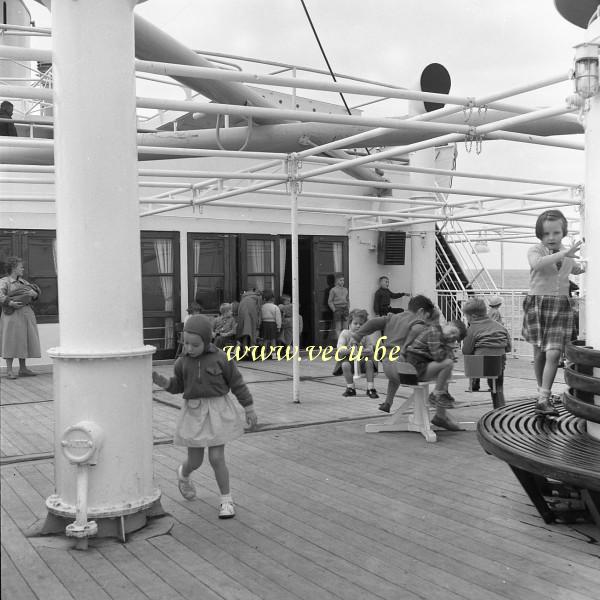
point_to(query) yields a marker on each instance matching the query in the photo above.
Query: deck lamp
(586, 70)
(481, 246)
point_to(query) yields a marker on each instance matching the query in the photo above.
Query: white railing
(451, 302)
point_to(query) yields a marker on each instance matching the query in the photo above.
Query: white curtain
(337, 248)
(54, 255)
(259, 256)
(282, 257)
(164, 261)
(208, 256)
(197, 250)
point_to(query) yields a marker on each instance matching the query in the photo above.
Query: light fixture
(586, 70)
(481, 247)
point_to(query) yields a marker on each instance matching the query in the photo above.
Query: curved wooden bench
(579, 399)
(579, 376)
(584, 356)
(581, 408)
(538, 449)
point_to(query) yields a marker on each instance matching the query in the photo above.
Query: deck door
(160, 290)
(259, 263)
(211, 270)
(330, 256)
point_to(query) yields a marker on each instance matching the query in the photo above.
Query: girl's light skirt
(205, 422)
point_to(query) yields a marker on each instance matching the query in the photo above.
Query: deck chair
(482, 366)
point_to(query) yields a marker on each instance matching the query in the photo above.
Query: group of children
(262, 319)
(210, 417)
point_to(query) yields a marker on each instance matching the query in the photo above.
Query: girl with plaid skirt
(548, 316)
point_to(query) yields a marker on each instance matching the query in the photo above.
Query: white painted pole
(592, 239)
(502, 264)
(422, 244)
(101, 368)
(293, 183)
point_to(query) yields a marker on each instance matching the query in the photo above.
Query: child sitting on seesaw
(348, 347)
(397, 331)
(432, 356)
(486, 336)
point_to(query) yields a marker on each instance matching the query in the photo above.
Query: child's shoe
(545, 407)
(372, 393)
(385, 407)
(227, 509)
(186, 487)
(349, 392)
(444, 400)
(447, 395)
(445, 423)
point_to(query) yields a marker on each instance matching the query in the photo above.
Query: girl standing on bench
(548, 316)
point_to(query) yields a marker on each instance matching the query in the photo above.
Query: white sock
(370, 386)
(226, 498)
(350, 386)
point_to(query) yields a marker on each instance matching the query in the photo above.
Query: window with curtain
(208, 254)
(37, 248)
(260, 264)
(160, 289)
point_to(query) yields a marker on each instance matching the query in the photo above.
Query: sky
(486, 46)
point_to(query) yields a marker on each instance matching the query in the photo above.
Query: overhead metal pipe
(440, 218)
(323, 160)
(151, 43)
(443, 140)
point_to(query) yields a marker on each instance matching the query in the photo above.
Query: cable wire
(325, 57)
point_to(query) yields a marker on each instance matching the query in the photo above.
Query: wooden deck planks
(395, 482)
(369, 526)
(422, 507)
(12, 584)
(338, 504)
(107, 576)
(254, 581)
(167, 567)
(30, 566)
(324, 512)
(209, 574)
(150, 584)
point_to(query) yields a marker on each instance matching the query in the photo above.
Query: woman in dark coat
(248, 318)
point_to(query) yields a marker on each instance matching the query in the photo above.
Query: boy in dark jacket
(432, 356)
(383, 298)
(399, 331)
(485, 336)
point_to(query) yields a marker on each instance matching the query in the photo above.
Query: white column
(592, 239)
(102, 371)
(293, 183)
(422, 247)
